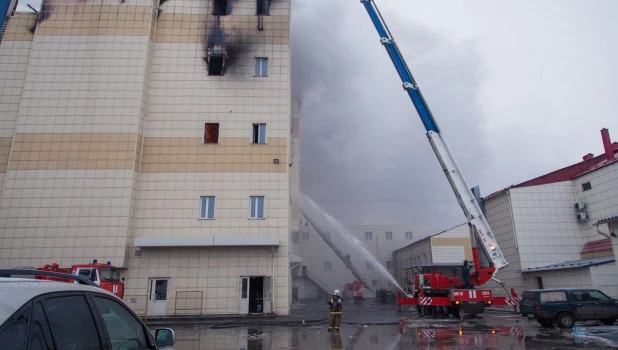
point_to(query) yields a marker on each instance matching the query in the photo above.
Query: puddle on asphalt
(409, 334)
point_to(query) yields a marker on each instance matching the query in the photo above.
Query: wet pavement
(380, 326)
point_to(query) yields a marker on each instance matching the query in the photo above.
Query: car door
(583, 306)
(604, 306)
(122, 327)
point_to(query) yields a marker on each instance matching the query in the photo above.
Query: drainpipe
(272, 284)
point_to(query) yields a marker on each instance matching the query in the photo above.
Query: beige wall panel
(64, 216)
(13, 64)
(74, 151)
(189, 155)
(5, 149)
(19, 27)
(71, 20)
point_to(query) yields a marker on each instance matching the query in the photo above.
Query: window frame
(388, 235)
(265, 10)
(258, 133)
(328, 266)
(258, 205)
(209, 205)
(586, 186)
(368, 236)
(206, 138)
(261, 67)
(409, 235)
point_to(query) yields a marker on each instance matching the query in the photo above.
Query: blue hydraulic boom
(464, 195)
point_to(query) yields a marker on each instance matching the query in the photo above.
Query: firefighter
(465, 273)
(335, 311)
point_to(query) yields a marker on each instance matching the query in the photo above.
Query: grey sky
(519, 88)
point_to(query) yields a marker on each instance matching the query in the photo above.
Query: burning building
(140, 132)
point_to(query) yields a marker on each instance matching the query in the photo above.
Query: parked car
(565, 306)
(37, 314)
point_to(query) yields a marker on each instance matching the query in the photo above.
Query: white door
(90, 273)
(244, 295)
(267, 292)
(157, 298)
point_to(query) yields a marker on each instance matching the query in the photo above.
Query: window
(295, 236)
(263, 7)
(327, 265)
(220, 8)
(389, 264)
(211, 133)
(368, 236)
(369, 265)
(257, 207)
(261, 67)
(586, 186)
(15, 329)
(550, 297)
(305, 236)
(207, 207)
(389, 235)
(259, 133)
(71, 322)
(122, 327)
(408, 235)
(216, 64)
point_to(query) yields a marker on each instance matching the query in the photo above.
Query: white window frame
(261, 133)
(368, 236)
(388, 235)
(255, 204)
(207, 207)
(261, 67)
(409, 235)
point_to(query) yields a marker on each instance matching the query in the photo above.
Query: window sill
(205, 218)
(261, 76)
(210, 143)
(259, 143)
(256, 219)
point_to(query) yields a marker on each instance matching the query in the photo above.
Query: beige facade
(104, 153)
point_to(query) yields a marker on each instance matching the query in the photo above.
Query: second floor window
(368, 236)
(211, 133)
(389, 235)
(256, 207)
(261, 66)
(207, 207)
(259, 133)
(408, 235)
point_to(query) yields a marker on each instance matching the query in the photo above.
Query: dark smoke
(364, 154)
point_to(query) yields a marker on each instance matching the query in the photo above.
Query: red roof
(600, 245)
(570, 172)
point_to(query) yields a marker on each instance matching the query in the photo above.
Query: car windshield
(110, 274)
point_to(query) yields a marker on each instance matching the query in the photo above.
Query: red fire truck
(106, 276)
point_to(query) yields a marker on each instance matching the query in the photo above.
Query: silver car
(36, 314)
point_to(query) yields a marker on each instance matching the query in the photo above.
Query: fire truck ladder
(326, 237)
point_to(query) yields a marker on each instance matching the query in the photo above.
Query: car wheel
(546, 322)
(608, 321)
(565, 320)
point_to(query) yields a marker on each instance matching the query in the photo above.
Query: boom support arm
(462, 191)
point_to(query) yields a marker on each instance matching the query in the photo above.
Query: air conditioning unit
(579, 206)
(583, 216)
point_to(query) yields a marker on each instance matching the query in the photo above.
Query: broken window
(261, 66)
(220, 8)
(211, 133)
(263, 7)
(259, 133)
(216, 64)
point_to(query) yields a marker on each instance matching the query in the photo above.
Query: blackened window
(263, 7)
(71, 323)
(220, 8)
(216, 64)
(586, 186)
(211, 133)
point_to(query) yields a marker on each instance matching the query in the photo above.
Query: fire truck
(106, 276)
(433, 291)
(449, 338)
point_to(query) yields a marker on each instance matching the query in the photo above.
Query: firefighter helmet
(337, 292)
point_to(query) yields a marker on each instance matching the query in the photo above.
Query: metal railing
(189, 302)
